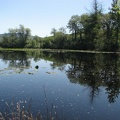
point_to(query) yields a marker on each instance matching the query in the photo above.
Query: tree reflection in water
(95, 71)
(87, 69)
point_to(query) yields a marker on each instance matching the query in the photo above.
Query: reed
(16, 111)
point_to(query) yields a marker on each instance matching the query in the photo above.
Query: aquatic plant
(18, 111)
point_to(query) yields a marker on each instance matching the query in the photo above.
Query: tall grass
(16, 111)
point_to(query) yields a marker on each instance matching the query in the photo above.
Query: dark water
(75, 86)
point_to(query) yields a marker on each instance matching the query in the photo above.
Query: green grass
(53, 50)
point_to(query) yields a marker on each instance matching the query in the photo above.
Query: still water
(71, 86)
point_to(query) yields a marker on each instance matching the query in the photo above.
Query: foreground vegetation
(91, 31)
(19, 112)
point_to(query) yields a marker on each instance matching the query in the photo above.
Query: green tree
(62, 30)
(53, 31)
(93, 26)
(39, 41)
(106, 31)
(74, 25)
(84, 18)
(60, 38)
(115, 18)
(47, 42)
(16, 38)
(35, 42)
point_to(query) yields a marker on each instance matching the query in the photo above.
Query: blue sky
(42, 15)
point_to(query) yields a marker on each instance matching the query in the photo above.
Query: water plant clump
(19, 112)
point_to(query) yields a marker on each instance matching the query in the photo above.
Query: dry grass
(18, 112)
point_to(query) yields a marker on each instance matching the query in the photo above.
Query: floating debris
(50, 72)
(31, 73)
(36, 66)
(20, 70)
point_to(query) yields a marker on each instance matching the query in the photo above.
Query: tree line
(90, 31)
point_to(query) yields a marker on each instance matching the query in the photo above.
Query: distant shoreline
(54, 50)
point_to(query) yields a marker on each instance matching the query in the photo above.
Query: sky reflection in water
(79, 86)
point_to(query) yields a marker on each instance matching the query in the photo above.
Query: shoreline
(56, 50)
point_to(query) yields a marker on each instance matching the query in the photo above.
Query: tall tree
(74, 25)
(60, 38)
(93, 25)
(16, 38)
(53, 31)
(115, 18)
(62, 30)
(85, 30)
(23, 35)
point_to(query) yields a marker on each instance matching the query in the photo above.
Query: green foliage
(90, 31)
(36, 42)
(53, 32)
(57, 41)
(47, 42)
(16, 38)
(75, 25)
(59, 38)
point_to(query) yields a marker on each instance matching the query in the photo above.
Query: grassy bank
(53, 50)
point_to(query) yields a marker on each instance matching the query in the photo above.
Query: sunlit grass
(53, 50)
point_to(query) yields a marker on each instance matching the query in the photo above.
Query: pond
(67, 86)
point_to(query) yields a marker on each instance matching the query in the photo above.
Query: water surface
(77, 86)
